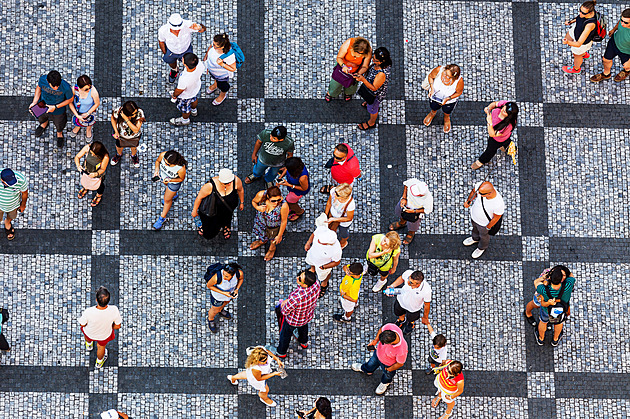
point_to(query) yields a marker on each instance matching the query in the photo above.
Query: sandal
(270, 254)
(255, 245)
(435, 402)
(322, 291)
(200, 231)
(326, 189)
(364, 126)
(397, 225)
(621, 76)
(428, 119)
(295, 216)
(217, 103)
(251, 178)
(227, 233)
(96, 200)
(10, 232)
(347, 98)
(327, 98)
(409, 237)
(82, 193)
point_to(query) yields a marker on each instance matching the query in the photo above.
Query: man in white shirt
(175, 41)
(414, 297)
(323, 253)
(188, 87)
(98, 324)
(486, 209)
(415, 203)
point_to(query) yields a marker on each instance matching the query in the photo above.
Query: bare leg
(134, 150)
(557, 329)
(264, 395)
(577, 61)
(542, 328)
(607, 65)
(88, 131)
(100, 351)
(168, 202)
(529, 307)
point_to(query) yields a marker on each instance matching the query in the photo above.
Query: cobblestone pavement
(566, 203)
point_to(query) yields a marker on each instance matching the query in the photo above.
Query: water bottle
(390, 292)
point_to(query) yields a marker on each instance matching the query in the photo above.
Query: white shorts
(322, 273)
(347, 305)
(440, 392)
(579, 50)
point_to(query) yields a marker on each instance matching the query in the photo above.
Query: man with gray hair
(415, 203)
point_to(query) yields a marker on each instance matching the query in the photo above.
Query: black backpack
(558, 311)
(213, 269)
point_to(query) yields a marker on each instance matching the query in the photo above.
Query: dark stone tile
(250, 407)
(44, 379)
(392, 151)
(574, 115)
(174, 380)
(15, 108)
(108, 15)
(314, 111)
(533, 186)
(449, 246)
(465, 113)
(63, 242)
(589, 249)
(101, 403)
(389, 34)
(251, 306)
(246, 139)
(478, 383)
(105, 271)
(251, 39)
(541, 407)
(151, 242)
(398, 406)
(527, 65)
(592, 385)
(106, 215)
(162, 109)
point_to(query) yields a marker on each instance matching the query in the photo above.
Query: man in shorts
(13, 197)
(175, 41)
(98, 324)
(414, 298)
(56, 95)
(323, 253)
(188, 87)
(618, 45)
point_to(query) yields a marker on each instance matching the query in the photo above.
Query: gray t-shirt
(273, 154)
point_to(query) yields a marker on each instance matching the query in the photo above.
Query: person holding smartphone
(415, 203)
(223, 286)
(321, 410)
(170, 167)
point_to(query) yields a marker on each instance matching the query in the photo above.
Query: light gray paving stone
(105, 242)
(153, 405)
(535, 248)
(540, 385)
(473, 407)
(104, 380)
(589, 408)
(44, 405)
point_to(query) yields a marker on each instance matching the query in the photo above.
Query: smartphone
(371, 347)
(155, 178)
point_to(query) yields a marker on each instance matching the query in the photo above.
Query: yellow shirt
(351, 286)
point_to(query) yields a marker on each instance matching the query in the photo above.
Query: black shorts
(223, 85)
(409, 316)
(612, 51)
(59, 121)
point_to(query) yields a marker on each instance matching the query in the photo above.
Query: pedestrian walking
(93, 170)
(321, 410)
(54, 94)
(353, 58)
(554, 297)
(298, 183)
(257, 372)
(13, 197)
(374, 87)
(580, 36)
(270, 222)
(175, 40)
(415, 203)
(486, 213)
(271, 150)
(170, 168)
(349, 291)
(344, 167)
(446, 85)
(224, 282)
(340, 211)
(127, 123)
(438, 352)
(323, 253)
(618, 46)
(297, 311)
(98, 324)
(390, 353)
(221, 64)
(186, 94)
(414, 297)
(501, 121)
(382, 257)
(4, 317)
(450, 385)
(86, 102)
(228, 192)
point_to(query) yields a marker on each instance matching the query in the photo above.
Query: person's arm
(309, 242)
(97, 101)
(395, 264)
(490, 107)
(569, 22)
(301, 187)
(394, 367)
(36, 96)
(372, 253)
(62, 104)
(199, 27)
(495, 219)
(156, 172)
(330, 264)
(176, 93)
(228, 67)
(328, 206)
(375, 340)
(256, 202)
(365, 65)
(115, 126)
(284, 217)
(425, 313)
(374, 86)
(205, 57)
(579, 42)
(432, 75)
(203, 192)
(460, 390)
(74, 110)
(116, 326)
(123, 415)
(101, 170)
(256, 149)
(241, 193)
(24, 199)
(134, 127)
(259, 376)
(403, 199)
(181, 175)
(239, 283)
(342, 53)
(77, 158)
(288, 305)
(349, 217)
(162, 46)
(611, 33)
(345, 296)
(471, 198)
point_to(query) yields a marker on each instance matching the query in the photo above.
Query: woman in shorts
(382, 257)
(170, 168)
(257, 372)
(221, 69)
(450, 384)
(86, 102)
(127, 123)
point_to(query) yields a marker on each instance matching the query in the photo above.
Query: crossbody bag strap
(345, 207)
(484, 210)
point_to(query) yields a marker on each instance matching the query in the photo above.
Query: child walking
(438, 351)
(349, 290)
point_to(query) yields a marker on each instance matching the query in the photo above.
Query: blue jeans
(373, 364)
(259, 171)
(287, 332)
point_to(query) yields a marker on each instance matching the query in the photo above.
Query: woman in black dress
(230, 189)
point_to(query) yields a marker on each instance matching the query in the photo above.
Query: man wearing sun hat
(13, 197)
(175, 41)
(323, 251)
(415, 203)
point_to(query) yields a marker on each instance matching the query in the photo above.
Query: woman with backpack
(554, 299)
(220, 61)
(223, 281)
(501, 121)
(580, 36)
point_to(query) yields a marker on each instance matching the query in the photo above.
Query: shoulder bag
(346, 80)
(495, 228)
(208, 205)
(335, 224)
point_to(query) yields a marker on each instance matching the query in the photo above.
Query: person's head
(391, 241)
(454, 368)
(173, 158)
(306, 278)
(191, 60)
(343, 192)
(294, 166)
(273, 196)
(54, 79)
(361, 46)
(340, 152)
(323, 407)
(508, 112)
(175, 23)
(439, 341)
(102, 297)
(355, 269)
(325, 236)
(387, 337)
(130, 109)
(278, 133)
(84, 83)
(98, 149)
(230, 270)
(416, 278)
(587, 8)
(221, 42)
(381, 57)
(257, 357)
(625, 18)
(487, 190)
(8, 177)
(452, 71)
(226, 176)
(558, 274)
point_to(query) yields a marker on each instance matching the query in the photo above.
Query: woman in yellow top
(382, 257)
(353, 58)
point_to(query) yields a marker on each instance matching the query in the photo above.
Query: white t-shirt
(215, 69)
(176, 44)
(99, 322)
(321, 254)
(190, 82)
(493, 206)
(412, 299)
(336, 208)
(438, 355)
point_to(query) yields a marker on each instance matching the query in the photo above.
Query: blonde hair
(344, 190)
(394, 240)
(257, 357)
(361, 46)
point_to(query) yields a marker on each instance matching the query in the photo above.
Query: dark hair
(232, 268)
(279, 132)
(309, 277)
(99, 149)
(455, 367)
(439, 340)
(356, 268)
(102, 296)
(387, 336)
(223, 41)
(625, 13)
(589, 5)
(343, 148)
(417, 276)
(54, 78)
(191, 60)
(271, 192)
(128, 108)
(382, 54)
(454, 69)
(83, 81)
(323, 407)
(555, 274)
(173, 157)
(294, 166)
(512, 112)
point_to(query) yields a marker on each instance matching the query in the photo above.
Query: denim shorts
(174, 186)
(544, 315)
(343, 232)
(535, 299)
(215, 302)
(170, 58)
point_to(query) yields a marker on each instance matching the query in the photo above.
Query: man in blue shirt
(56, 95)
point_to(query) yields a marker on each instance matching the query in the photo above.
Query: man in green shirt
(13, 196)
(272, 148)
(559, 288)
(618, 45)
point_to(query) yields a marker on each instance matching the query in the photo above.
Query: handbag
(495, 228)
(367, 95)
(208, 205)
(90, 183)
(335, 224)
(346, 80)
(373, 268)
(411, 217)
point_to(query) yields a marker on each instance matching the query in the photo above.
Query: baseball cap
(8, 177)
(226, 176)
(325, 236)
(416, 187)
(175, 21)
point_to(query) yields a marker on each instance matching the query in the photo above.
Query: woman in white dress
(258, 370)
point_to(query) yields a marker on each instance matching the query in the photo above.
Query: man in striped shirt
(13, 196)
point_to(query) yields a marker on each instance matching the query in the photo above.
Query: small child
(349, 290)
(438, 352)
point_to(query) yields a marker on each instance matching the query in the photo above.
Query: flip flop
(428, 119)
(409, 237)
(396, 226)
(435, 402)
(364, 126)
(10, 232)
(255, 245)
(294, 216)
(447, 127)
(251, 178)
(270, 254)
(325, 189)
(217, 103)
(327, 98)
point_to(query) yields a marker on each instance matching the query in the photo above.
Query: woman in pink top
(501, 118)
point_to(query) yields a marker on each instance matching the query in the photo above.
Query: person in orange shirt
(353, 59)
(450, 384)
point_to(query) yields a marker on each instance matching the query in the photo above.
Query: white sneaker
(382, 388)
(379, 285)
(477, 253)
(272, 404)
(89, 346)
(356, 367)
(179, 122)
(100, 362)
(194, 112)
(234, 383)
(469, 241)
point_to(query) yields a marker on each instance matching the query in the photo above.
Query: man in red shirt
(345, 167)
(297, 310)
(390, 355)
